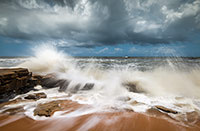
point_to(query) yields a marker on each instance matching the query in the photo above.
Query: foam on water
(159, 86)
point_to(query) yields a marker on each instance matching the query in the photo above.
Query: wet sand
(116, 121)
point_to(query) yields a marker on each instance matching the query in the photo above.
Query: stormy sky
(101, 27)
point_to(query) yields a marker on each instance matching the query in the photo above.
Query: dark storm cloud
(98, 22)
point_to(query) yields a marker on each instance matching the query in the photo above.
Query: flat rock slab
(13, 73)
(8, 75)
(48, 109)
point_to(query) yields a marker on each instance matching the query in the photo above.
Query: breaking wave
(120, 85)
(166, 80)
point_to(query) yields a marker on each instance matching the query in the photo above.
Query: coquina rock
(36, 96)
(47, 109)
(15, 81)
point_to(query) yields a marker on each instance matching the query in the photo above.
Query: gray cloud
(98, 22)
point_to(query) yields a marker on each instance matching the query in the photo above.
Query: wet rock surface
(11, 102)
(50, 81)
(47, 109)
(88, 86)
(13, 111)
(133, 87)
(14, 81)
(63, 84)
(36, 96)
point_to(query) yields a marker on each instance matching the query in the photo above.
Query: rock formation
(14, 81)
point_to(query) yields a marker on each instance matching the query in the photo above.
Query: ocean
(121, 63)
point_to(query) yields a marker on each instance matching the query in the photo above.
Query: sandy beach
(117, 121)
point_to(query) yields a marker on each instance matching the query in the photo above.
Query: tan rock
(36, 96)
(47, 109)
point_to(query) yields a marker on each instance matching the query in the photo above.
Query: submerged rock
(133, 87)
(88, 86)
(192, 117)
(75, 88)
(50, 81)
(13, 111)
(18, 100)
(63, 84)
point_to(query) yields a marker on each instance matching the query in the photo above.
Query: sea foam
(158, 86)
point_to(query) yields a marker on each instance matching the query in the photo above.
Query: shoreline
(22, 81)
(97, 121)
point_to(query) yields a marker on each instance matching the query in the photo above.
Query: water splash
(47, 59)
(121, 88)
